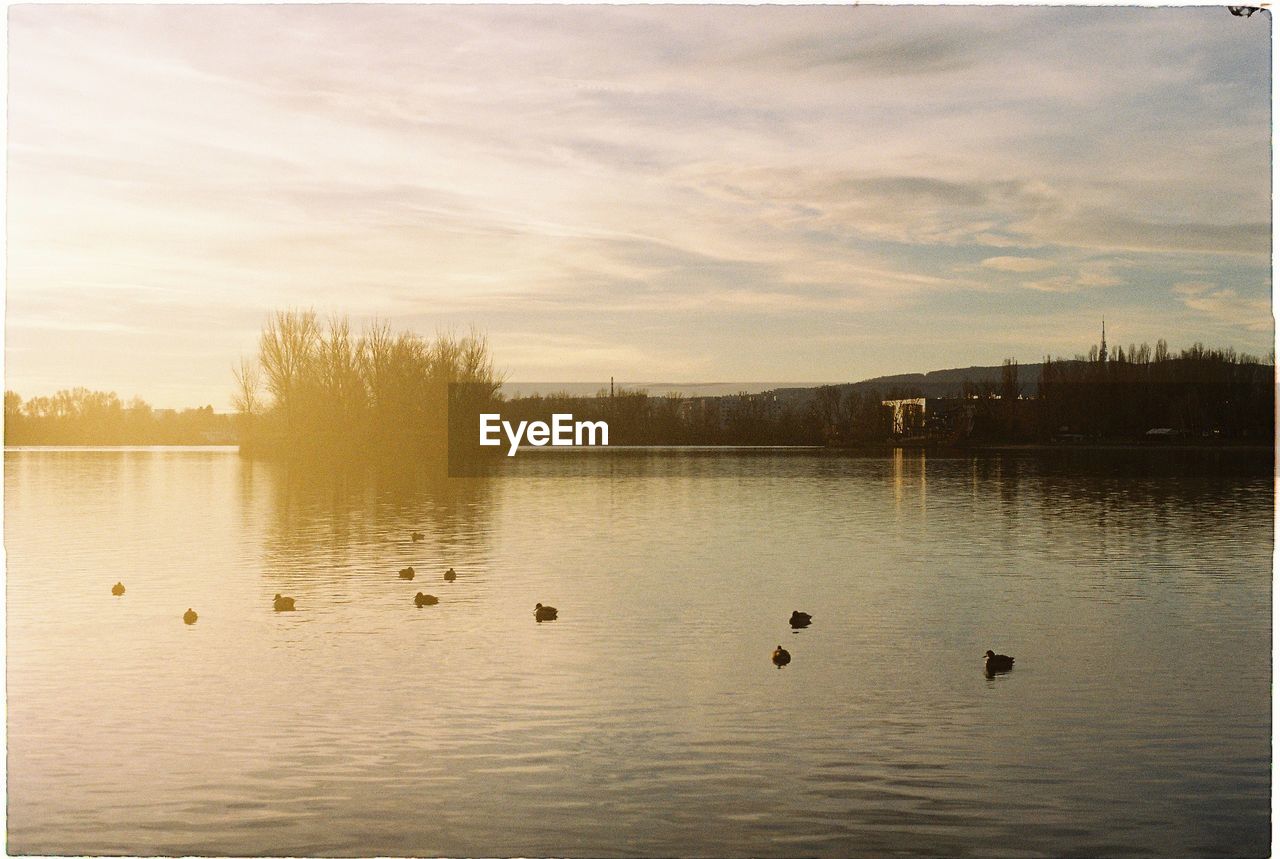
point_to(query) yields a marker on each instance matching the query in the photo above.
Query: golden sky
(661, 193)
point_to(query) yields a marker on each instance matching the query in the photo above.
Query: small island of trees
(320, 391)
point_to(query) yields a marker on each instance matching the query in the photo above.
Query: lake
(1133, 588)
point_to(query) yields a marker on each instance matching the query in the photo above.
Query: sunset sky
(798, 194)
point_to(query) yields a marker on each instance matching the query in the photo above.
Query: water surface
(1134, 591)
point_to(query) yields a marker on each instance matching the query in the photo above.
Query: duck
(543, 612)
(117, 589)
(781, 657)
(417, 536)
(283, 603)
(189, 617)
(450, 575)
(406, 573)
(420, 599)
(998, 662)
(800, 619)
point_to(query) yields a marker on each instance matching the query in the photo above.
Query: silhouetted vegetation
(636, 418)
(82, 416)
(1200, 393)
(320, 391)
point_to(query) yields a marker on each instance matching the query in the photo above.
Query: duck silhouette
(800, 619)
(417, 536)
(781, 657)
(543, 612)
(450, 575)
(283, 603)
(997, 662)
(189, 617)
(117, 590)
(406, 573)
(420, 599)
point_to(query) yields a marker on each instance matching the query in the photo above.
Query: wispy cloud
(1226, 306)
(685, 179)
(1017, 264)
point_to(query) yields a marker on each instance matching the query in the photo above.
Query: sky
(656, 193)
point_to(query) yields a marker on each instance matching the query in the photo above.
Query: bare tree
(247, 398)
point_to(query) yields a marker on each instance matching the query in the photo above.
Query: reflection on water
(1133, 589)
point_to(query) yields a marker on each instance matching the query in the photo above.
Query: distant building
(726, 411)
(931, 416)
(907, 415)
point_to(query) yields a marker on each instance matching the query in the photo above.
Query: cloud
(1088, 274)
(888, 56)
(1102, 229)
(724, 174)
(1226, 306)
(1017, 264)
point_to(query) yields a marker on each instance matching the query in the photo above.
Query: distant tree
(379, 394)
(82, 416)
(247, 398)
(286, 351)
(1009, 389)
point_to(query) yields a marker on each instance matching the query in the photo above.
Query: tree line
(316, 389)
(81, 416)
(1198, 394)
(1201, 392)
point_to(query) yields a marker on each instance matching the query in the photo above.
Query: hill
(937, 383)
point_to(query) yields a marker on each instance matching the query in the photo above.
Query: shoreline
(1012, 447)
